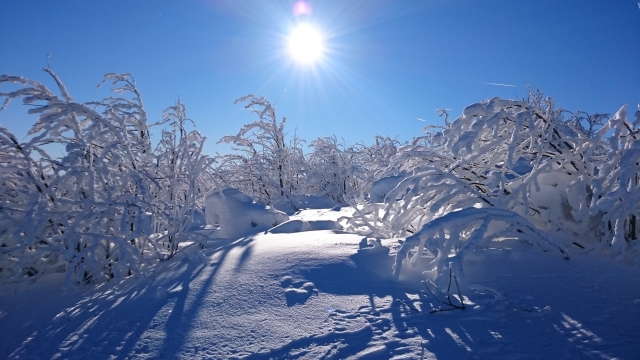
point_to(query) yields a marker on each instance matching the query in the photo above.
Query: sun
(305, 44)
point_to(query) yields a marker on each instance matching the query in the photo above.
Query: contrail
(488, 83)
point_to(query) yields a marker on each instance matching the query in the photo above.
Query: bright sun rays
(306, 44)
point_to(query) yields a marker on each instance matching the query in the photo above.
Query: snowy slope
(314, 294)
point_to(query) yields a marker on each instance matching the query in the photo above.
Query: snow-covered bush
(451, 237)
(109, 206)
(184, 175)
(335, 170)
(615, 189)
(375, 158)
(273, 171)
(382, 187)
(263, 167)
(568, 178)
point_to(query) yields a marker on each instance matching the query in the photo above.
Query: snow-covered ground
(306, 293)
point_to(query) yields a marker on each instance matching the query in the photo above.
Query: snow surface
(327, 294)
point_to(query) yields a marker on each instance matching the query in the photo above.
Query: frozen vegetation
(508, 232)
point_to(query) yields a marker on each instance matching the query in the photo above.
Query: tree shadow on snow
(177, 328)
(504, 329)
(110, 322)
(368, 274)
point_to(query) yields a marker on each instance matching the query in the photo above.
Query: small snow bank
(294, 226)
(237, 215)
(382, 187)
(336, 213)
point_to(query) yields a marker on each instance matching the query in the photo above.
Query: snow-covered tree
(263, 165)
(336, 171)
(181, 170)
(575, 185)
(108, 207)
(615, 190)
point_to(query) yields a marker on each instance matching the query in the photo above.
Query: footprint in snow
(297, 292)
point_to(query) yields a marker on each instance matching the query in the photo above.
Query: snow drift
(236, 214)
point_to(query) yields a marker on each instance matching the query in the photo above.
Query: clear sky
(384, 63)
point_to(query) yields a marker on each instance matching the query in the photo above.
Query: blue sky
(386, 63)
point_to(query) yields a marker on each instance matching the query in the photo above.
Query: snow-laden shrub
(263, 167)
(109, 206)
(375, 159)
(415, 201)
(344, 172)
(451, 237)
(335, 170)
(522, 157)
(616, 186)
(275, 171)
(184, 175)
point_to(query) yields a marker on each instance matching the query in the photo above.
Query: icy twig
(448, 301)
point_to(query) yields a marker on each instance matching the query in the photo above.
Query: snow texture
(319, 294)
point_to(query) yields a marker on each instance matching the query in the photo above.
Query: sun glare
(305, 44)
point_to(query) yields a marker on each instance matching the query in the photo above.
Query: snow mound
(237, 215)
(295, 226)
(382, 187)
